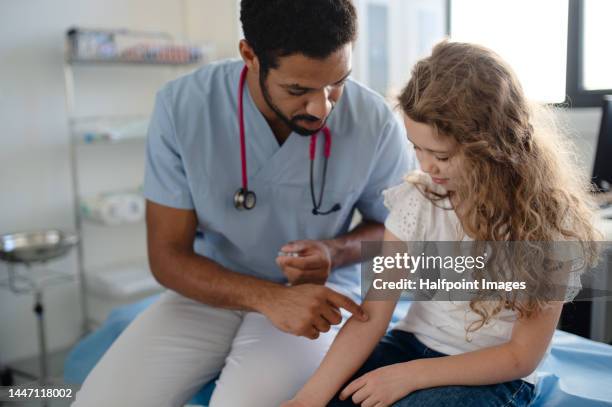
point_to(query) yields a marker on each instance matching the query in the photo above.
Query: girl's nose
(429, 166)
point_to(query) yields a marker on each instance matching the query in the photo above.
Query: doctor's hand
(311, 263)
(307, 309)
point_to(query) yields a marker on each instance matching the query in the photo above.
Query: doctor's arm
(302, 310)
(346, 249)
(318, 258)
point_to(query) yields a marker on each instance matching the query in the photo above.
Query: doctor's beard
(291, 123)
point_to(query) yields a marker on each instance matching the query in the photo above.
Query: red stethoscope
(245, 198)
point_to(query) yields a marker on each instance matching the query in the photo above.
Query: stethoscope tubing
(240, 198)
(245, 181)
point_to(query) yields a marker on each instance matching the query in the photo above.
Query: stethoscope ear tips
(244, 199)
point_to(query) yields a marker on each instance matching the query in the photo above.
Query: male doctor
(254, 169)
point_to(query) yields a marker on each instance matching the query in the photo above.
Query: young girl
(489, 173)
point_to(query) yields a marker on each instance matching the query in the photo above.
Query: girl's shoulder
(415, 192)
(414, 205)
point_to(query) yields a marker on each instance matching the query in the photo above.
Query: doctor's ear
(248, 56)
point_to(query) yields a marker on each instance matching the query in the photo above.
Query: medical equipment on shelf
(128, 46)
(105, 50)
(134, 129)
(115, 208)
(245, 198)
(32, 248)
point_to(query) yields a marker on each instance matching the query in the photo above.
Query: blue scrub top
(193, 162)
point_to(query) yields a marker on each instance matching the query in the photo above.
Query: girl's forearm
(492, 365)
(350, 349)
(497, 364)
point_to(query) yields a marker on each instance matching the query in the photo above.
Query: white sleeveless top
(440, 325)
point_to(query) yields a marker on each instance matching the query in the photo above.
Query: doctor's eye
(296, 92)
(339, 84)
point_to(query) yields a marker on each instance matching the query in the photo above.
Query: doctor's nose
(320, 105)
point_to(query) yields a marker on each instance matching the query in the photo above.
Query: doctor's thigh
(163, 357)
(267, 366)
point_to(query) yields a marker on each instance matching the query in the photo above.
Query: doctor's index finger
(342, 301)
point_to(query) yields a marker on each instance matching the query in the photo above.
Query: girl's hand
(382, 387)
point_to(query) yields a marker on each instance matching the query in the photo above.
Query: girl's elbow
(523, 362)
(526, 368)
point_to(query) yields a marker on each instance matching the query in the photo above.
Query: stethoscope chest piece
(244, 199)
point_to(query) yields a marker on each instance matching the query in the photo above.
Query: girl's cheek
(454, 165)
(419, 156)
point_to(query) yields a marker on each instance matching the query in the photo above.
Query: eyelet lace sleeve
(573, 287)
(571, 253)
(569, 256)
(408, 212)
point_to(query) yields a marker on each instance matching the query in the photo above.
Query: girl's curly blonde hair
(519, 180)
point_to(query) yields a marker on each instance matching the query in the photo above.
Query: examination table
(577, 372)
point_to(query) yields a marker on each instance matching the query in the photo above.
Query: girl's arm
(513, 360)
(351, 347)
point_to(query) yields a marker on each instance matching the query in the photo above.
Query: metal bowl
(39, 246)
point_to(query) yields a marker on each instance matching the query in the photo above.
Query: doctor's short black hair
(314, 28)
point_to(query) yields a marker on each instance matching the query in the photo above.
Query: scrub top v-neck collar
(266, 159)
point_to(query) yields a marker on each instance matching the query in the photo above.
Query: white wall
(216, 21)
(35, 183)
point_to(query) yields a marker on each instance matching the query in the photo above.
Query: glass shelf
(106, 130)
(83, 140)
(127, 62)
(100, 224)
(20, 279)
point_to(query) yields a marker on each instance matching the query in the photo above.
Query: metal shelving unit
(78, 141)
